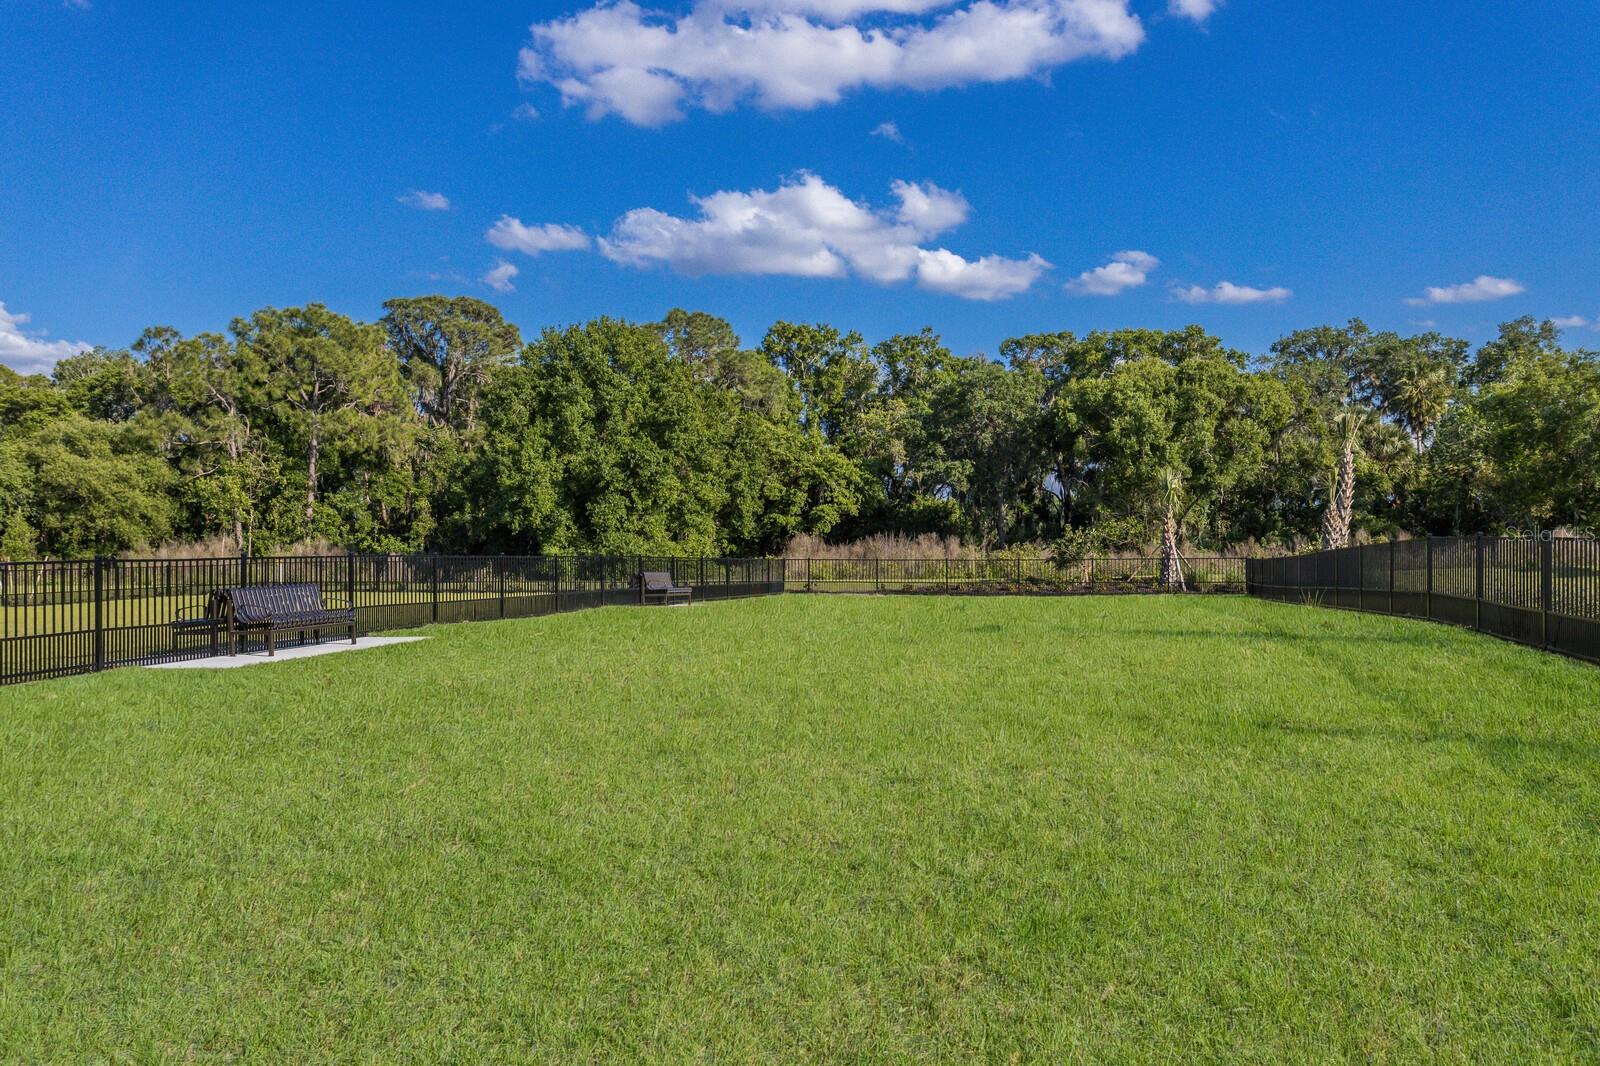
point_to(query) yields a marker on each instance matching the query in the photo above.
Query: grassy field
(842, 828)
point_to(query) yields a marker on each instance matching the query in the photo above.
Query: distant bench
(655, 585)
(273, 609)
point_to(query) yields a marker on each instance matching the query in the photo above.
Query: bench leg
(352, 632)
(272, 644)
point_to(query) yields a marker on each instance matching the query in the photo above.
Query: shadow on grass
(1233, 636)
(1526, 762)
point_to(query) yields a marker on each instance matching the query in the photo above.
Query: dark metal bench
(274, 609)
(656, 585)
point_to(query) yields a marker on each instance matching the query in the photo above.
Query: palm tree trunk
(1171, 561)
(1347, 489)
(313, 453)
(1330, 520)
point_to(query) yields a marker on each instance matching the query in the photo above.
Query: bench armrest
(184, 613)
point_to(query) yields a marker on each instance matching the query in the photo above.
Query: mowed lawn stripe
(849, 828)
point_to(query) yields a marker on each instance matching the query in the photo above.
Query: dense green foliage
(438, 428)
(848, 829)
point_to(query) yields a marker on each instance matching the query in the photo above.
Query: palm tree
(1172, 504)
(1420, 400)
(1342, 495)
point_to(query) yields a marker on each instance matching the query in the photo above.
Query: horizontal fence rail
(1009, 574)
(1541, 591)
(78, 616)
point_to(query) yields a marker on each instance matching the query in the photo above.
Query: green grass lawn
(846, 828)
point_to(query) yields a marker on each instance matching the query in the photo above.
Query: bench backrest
(262, 603)
(655, 581)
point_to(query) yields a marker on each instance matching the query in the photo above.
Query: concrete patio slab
(259, 656)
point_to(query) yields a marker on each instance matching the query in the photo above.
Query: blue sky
(1263, 164)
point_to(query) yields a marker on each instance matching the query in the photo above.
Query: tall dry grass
(882, 546)
(222, 546)
(932, 546)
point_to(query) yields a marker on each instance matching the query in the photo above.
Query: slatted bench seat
(657, 586)
(274, 609)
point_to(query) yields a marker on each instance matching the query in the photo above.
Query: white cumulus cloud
(808, 228)
(26, 351)
(1478, 290)
(425, 201)
(889, 132)
(1226, 292)
(991, 278)
(500, 276)
(618, 59)
(1127, 270)
(513, 235)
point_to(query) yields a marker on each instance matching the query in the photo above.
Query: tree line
(439, 427)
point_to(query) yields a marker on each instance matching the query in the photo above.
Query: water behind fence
(77, 616)
(1541, 591)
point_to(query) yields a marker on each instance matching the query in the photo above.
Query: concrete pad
(259, 656)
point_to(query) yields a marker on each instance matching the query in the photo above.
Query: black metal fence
(1542, 591)
(77, 616)
(1006, 573)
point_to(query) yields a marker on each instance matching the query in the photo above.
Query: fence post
(435, 583)
(244, 567)
(808, 573)
(1547, 553)
(877, 574)
(350, 578)
(500, 567)
(99, 612)
(1477, 581)
(1391, 573)
(1428, 602)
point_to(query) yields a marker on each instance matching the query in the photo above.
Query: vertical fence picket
(1477, 581)
(1546, 586)
(99, 613)
(1428, 564)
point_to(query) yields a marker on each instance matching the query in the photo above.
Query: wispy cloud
(525, 113)
(1198, 10)
(889, 132)
(616, 58)
(500, 276)
(1226, 292)
(1577, 322)
(808, 228)
(26, 351)
(1479, 290)
(513, 235)
(425, 201)
(1127, 270)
